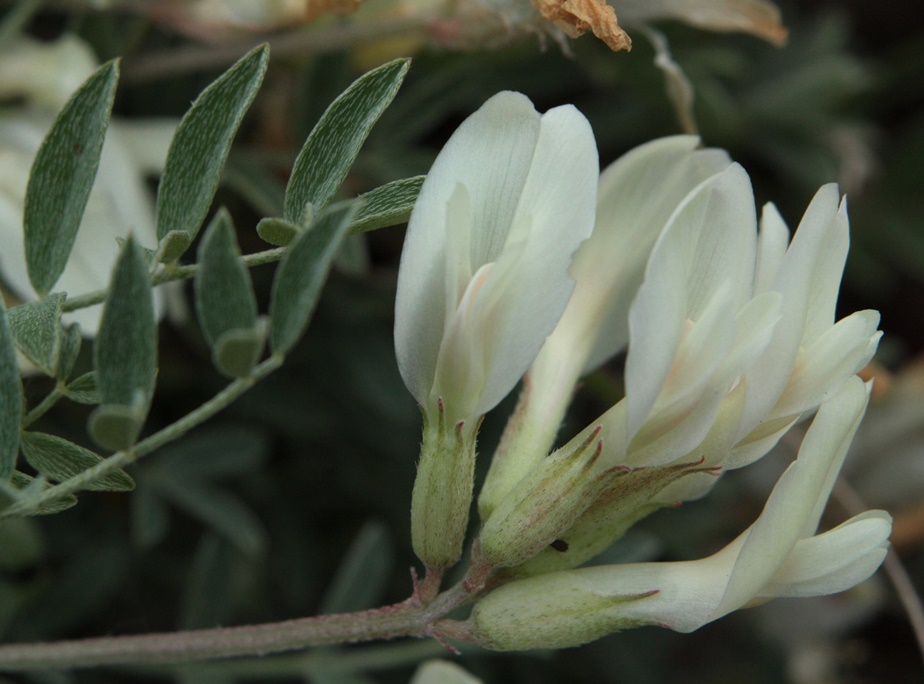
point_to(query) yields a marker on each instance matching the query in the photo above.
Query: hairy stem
(173, 431)
(44, 406)
(173, 273)
(408, 618)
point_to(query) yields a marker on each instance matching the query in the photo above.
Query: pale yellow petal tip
(574, 17)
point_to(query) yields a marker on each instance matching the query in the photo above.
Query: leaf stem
(172, 273)
(168, 434)
(44, 406)
(409, 618)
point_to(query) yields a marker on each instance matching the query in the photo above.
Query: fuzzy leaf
(224, 293)
(277, 231)
(36, 328)
(27, 483)
(333, 144)
(71, 341)
(302, 273)
(10, 399)
(59, 460)
(125, 352)
(62, 176)
(387, 205)
(200, 147)
(237, 351)
(83, 390)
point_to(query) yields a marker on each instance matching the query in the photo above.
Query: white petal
(798, 499)
(638, 193)
(832, 358)
(556, 214)
(772, 241)
(530, 185)
(809, 280)
(490, 154)
(834, 561)
(709, 241)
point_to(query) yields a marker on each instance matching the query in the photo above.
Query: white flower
(120, 202)
(483, 281)
(484, 271)
(777, 556)
(731, 338)
(637, 195)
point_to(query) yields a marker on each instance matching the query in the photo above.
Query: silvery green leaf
(302, 273)
(36, 328)
(387, 205)
(10, 399)
(172, 246)
(237, 351)
(62, 176)
(125, 353)
(59, 460)
(277, 231)
(70, 348)
(29, 485)
(333, 144)
(224, 292)
(83, 390)
(200, 147)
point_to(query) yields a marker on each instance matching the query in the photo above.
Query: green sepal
(172, 246)
(125, 353)
(116, 426)
(224, 294)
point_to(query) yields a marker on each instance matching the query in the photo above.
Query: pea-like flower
(778, 556)
(483, 281)
(731, 338)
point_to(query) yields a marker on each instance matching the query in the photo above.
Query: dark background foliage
(295, 500)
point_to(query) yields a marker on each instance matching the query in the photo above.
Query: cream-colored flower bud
(544, 506)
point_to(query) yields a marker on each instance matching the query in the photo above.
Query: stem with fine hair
(158, 439)
(411, 617)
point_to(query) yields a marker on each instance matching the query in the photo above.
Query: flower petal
(490, 154)
(709, 241)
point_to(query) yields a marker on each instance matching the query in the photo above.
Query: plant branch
(44, 406)
(158, 439)
(173, 273)
(408, 618)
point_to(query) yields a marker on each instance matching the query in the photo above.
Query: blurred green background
(295, 500)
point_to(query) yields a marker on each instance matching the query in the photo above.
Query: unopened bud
(545, 503)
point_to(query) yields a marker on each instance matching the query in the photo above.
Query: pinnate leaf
(62, 176)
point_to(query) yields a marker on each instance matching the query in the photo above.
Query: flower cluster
(520, 259)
